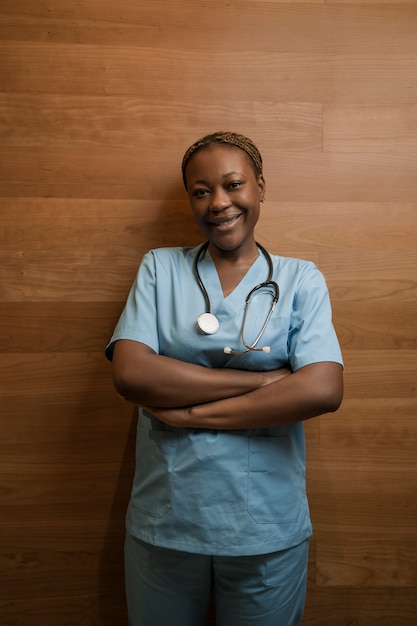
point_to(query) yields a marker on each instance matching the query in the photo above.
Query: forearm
(313, 390)
(145, 378)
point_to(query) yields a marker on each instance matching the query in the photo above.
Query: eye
(200, 193)
(234, 185)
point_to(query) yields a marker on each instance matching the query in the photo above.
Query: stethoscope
(209, 324)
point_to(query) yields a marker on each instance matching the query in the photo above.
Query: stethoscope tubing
(214, 325)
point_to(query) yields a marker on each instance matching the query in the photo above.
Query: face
(225, 195)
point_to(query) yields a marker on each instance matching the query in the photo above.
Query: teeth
(229, 221)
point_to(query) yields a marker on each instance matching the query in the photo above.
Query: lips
(225, 222)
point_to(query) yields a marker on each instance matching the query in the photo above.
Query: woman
(219, 491)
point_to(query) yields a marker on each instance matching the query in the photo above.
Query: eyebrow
(201, 181)
(233, 173)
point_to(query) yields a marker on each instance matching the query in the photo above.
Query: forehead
(220, 158)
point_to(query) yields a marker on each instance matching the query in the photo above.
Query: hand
(274, 375)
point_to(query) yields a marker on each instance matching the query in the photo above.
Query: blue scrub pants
(169, 587)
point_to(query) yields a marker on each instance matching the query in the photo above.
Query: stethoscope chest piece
(208, 323)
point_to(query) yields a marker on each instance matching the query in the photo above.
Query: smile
(225, 224)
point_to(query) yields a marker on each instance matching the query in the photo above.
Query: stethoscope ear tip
(227, 350)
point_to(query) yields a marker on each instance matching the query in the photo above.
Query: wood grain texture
(387, 129)
(98, 102)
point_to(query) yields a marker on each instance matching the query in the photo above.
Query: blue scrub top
(239, 492)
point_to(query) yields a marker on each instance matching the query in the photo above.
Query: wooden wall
(98, 101)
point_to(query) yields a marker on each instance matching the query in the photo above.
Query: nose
(219, 199)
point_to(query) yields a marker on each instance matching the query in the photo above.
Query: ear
(262, 187)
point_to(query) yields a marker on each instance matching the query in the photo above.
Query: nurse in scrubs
(226, 349)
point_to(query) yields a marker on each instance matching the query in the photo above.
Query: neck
(242, 256)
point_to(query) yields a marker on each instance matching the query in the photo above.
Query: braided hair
(225, 138)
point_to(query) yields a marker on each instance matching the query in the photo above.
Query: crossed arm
(192, 396)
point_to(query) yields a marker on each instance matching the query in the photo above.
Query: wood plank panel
(268, 24)
(390, 517)
(57, 326)
(88, 610)
(81, 544)
(371, 425)
(56, 429)
(363, 474)
(380, 373)
(54, 224)
(297, 76)
(67, 275)
(337, 226)
(367, 607)
(29, 374)
(397, 4)
(342, 177)
(375, 276)
(63, 491)
(355, 128)
(370, 325)
(366, 562)
(126, 122)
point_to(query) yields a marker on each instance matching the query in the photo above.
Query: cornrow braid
(228, 138)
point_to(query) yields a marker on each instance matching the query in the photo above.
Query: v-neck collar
(211, 280)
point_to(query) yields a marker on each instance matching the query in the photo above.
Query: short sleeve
(312, 337)
(138, 321)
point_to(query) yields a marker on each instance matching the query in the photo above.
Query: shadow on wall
(174, 223)
(112, 604)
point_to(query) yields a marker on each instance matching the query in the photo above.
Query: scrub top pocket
(275, 488)
(153, 483)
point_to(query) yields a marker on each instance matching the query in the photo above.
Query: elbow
(126, 388)
(324, 403)
(132, 374)
(122, 387)
(333, 402)
(332, 398)
(328, 388)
